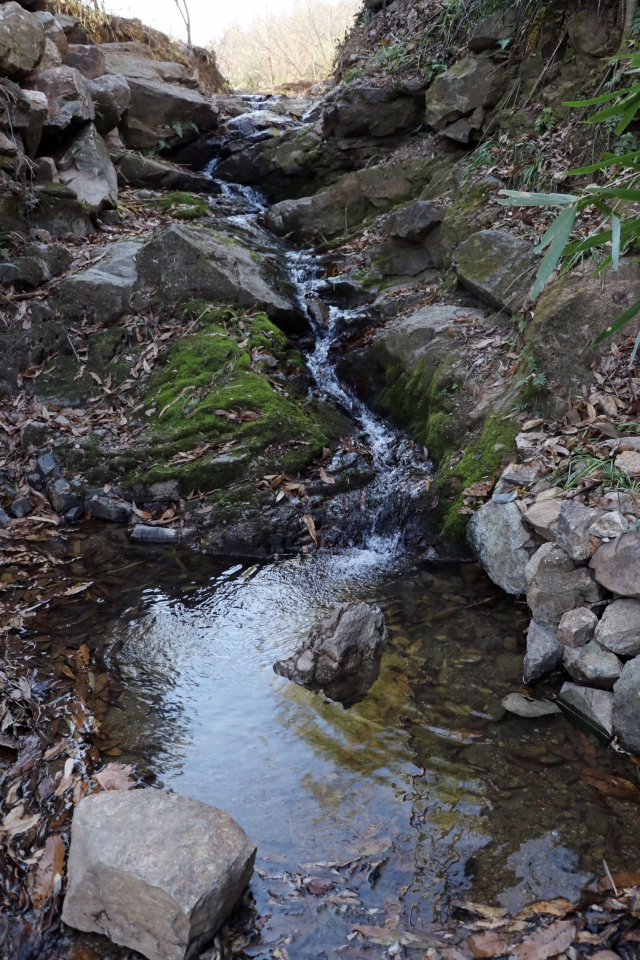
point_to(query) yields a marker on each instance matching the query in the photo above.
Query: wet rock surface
(501, 543)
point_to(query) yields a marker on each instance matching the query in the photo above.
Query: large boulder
(85, 167)
(66, 90)
(186, 262)
(111, 97)
(502, 544)
(497, 267)
(376, 111)
(53, 31)
(574, 526)
(159, 112)
(619, 628)
(402, 258)
(616, 564)
(103, 290)
(23, 113)
(135, 170)
(626, 707)
(73, 29)
(594, 706)
(22, 40)
(415, 220)
(544, 652)
(87, 58)
(592, 665)
(554, 585)
(596, 31)
(340, 652)
(135, 60)
(475, 83)
(156, 872)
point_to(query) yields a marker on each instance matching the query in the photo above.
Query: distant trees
(283, 48)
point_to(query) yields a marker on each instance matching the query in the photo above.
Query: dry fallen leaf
(326, 477)
(555, 908)
(115, 776)
(546, 942)
(15, 823)
(311, 527)
(50, 871)
(487, 944)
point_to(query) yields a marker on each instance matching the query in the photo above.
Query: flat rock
(592, 665)
(136, 60)
(524, 706)
(543, 517)
(555, 586)
(577, 627)
(626, 707)
(143, 533)
(403, 258)
(594, 706)
(156, 872)
(111, 97)
(184, 262)
(22, 40)
(496, 266)
(619, 628)
(135, 170)
(85, 166)
(617, 564)
(67, 94)
(544, 652)
(573, 528)
(341, 654)
(415, 220)
(102, 290)
(502, 544)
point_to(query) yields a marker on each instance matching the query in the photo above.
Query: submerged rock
(157, 872)
(341, 654)
(524, 706)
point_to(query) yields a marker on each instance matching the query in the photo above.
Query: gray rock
(156, 872)
(544, 652)
(51, 56)
(4, 518)
(135, 170)
(136, 60)
(165, 490)
(626, 707)
(543, 517)
(75, 513)
(489, 32)
(496, 266)
(85, 166)
(21, 507)
(155, 106)
(34, 433)
(53, 31)
(22, 113)
(341, 654)
(67, 94)
(55, 256)
(402, 258)
(502, 544)
(619, 628)
(33, 271)
(574, 527)
(555, 586)
(524, 706)
(610, 525)
(87, 58)
(22, 40)
(184, 262)
(102, 290)
(62, 497)
(45, 170)
(592, 665)
(415, 220)
(111, 97)
(617, 564)
(106, 508)
(472, 83)
(73, 30)
(9, 274)
(577, 627)
(359, 110)
(146, 534)
(46, 464)
(594, 706)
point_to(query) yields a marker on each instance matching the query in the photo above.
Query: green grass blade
(564, 226)
(617, 324)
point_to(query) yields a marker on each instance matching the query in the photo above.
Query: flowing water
(382, 815)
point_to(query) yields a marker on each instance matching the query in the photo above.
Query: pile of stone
(579, 566)
(70, 110)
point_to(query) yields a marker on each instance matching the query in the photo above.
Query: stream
(386, 814)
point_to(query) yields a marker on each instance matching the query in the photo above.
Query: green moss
(183, 206)
(224, 369)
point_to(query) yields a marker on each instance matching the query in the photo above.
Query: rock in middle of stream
(341, 654)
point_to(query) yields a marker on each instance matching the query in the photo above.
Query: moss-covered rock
(181, 205)
(466, 215)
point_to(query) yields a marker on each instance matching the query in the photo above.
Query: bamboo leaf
(628, 116)
(634, 351)
(564, 226)
(619, 193)
(628, 160)
(617, 324)
(521, 198)
(615, 241)
(601, 99)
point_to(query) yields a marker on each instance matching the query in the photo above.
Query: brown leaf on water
(311, 527)
(115, 776)
(546, 942)
(488, 944)
(317, 889)
(50, 872)
(555, 908)
(610, 785)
